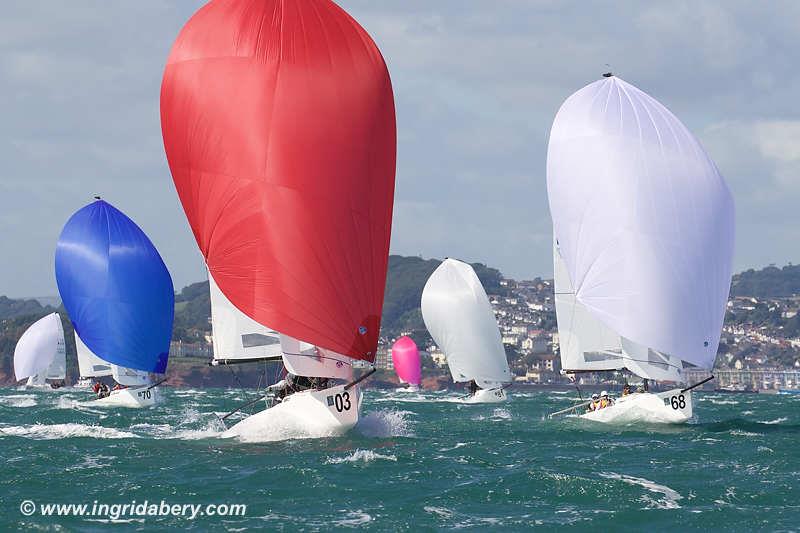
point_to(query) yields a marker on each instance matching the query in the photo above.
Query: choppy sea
(415, 462)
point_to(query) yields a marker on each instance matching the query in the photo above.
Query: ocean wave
(354, 519)
(360, 456)
(501, 413)
(18, 400)
(385, 423)
(66, 431)
(670, 497)
(776, 421)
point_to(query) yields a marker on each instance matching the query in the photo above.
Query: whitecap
(776, 421)
(66, 431)
(385, 423)
(18, 400)
(438, 511)
(502, 414)
(360, 456)
(354, 518)
(668, 501)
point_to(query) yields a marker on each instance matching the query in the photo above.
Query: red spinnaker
(279, 127)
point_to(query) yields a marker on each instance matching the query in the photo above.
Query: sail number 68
(677, 402)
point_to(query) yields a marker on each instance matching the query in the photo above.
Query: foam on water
(65, 431)
(385, 423)
(501, 413)
(354, 519)
(776, 421)
(18, 400)
(668, 501)
(361, 456)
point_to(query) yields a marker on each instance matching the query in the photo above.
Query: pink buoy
(405, 356)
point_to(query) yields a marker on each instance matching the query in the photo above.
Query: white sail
(303, 359)
(92, 366)
(460, 319)
(129, 376)
(89, 365)
(587, 344)
(644, 224)
(237, 336)
(57, 369)
(41, 346)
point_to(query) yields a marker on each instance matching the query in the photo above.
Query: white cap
(604, 393)
(595, 395)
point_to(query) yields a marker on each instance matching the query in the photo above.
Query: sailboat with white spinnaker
(643, 242)
(459, 317)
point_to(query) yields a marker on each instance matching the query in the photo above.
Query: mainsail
(460, 319)
(40, 352)
(89, 365)
(116, 289)
(236, 336)
(279, 129)
(643, 243)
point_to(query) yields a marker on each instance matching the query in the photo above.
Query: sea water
(415, 462)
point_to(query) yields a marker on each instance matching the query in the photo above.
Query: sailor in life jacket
(594, 404)
(605, 401)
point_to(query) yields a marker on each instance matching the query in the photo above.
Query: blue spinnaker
(116, 288)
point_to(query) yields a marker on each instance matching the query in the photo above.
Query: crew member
(594, 403)
(473, 387)
(605, 401)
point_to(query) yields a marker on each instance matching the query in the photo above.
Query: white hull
(307, 414)
(670, 407)
(133, 397)
(488, 396)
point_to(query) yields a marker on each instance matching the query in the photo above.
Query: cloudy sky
(477, 83)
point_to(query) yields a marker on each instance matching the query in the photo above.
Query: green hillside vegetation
(401, 313)
(769, 282)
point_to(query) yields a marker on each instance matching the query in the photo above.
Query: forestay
(460, 319)
(41, 351)
(644, 224)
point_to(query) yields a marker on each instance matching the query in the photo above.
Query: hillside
(405, 280)
(769, 282)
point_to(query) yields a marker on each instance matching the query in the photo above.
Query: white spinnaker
(235, 335)
(586, 343)
(460, 319)
(304, 359)
(89, 365)
(643, 219)
(39, 347)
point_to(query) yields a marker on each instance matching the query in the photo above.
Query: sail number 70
(676, 402)
(340, 401)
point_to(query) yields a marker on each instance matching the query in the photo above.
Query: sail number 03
(676, 402)
(340, 401)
